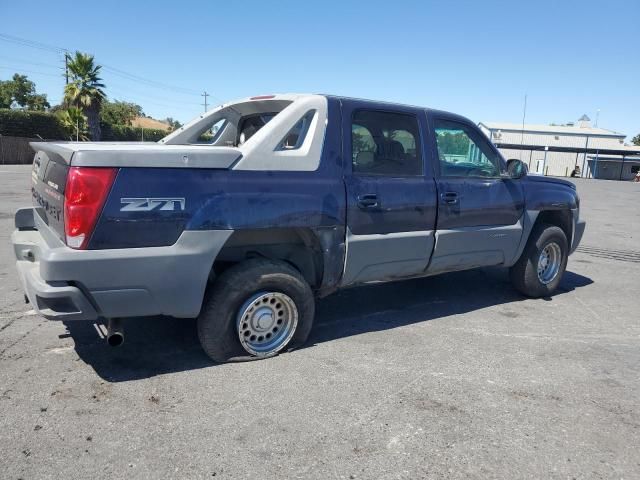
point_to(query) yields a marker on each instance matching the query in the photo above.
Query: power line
(153, 83)
(31, 43)
(114, 70)
(39, 64)
(119, 89)
(21, 70)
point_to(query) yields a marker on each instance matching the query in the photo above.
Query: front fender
(549, 196)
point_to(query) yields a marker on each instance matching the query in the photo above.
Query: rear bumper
(56, 300)
(66, 284)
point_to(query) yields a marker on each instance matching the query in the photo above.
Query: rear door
(391, 203)
(480, 211)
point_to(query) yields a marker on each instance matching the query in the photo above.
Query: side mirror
(516, 169)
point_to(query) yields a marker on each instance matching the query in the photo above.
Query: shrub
(23, 123)
(126, 133)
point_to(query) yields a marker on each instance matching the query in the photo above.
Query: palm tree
(84, 89)
(74, 123)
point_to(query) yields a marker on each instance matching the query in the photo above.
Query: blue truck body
(168, 229)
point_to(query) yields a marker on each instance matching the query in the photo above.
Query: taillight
(84, 196)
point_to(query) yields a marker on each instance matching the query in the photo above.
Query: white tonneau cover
(140, 154)
(180, 149)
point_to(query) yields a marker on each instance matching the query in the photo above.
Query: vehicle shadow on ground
(160, 345)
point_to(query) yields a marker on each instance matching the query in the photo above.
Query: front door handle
(449, 197)
(369, 200)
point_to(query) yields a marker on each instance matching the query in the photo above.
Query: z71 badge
(148, 204)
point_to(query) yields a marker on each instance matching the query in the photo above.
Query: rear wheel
(256, 309)
(539, 269)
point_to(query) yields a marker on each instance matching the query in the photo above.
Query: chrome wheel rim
(266, 322)
(549, 262)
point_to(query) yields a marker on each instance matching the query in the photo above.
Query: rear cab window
(249, 125)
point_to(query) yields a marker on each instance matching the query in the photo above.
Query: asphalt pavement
(456, 376)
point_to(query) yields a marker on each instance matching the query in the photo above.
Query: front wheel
(539, 269)
(256, 309)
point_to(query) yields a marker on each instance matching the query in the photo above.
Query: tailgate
(48, 180)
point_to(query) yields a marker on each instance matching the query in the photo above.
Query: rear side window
(385, 143)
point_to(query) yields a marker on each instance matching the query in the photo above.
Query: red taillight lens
(84, 197)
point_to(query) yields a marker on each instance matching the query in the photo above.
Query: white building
(558, 149)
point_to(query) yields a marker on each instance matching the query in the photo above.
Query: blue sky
(474, 58)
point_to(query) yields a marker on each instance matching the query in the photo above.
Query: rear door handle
(370, 200)
(449, 197)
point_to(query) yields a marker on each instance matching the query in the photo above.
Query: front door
(480, 211)
(391, 204)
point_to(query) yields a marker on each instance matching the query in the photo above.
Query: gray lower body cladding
(578, 229)
(67, 284)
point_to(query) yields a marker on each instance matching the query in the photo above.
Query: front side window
(385, 143)
(463, 152)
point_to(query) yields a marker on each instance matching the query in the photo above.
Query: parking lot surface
(455, 376)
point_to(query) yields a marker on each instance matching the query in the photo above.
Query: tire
(277, 304)
(525, 273)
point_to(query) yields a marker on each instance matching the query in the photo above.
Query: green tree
(174, 124)
(85, 90)
(21, 91)
(636, 140)
(120, 113)
(6, 93)
(453, 143)
(74, 123)
(23, 88)
(38, 102)
(56, 108)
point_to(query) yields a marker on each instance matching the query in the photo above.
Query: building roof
(629, 148)
(609, 158)
(528, 127)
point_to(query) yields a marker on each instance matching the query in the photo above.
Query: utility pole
(524, 116)
(206, 104)
(66, 68)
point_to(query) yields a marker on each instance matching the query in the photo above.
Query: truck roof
(369, 102)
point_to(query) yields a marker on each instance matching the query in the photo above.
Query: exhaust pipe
(115, 332)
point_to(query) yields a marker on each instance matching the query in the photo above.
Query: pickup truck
(244, 216)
